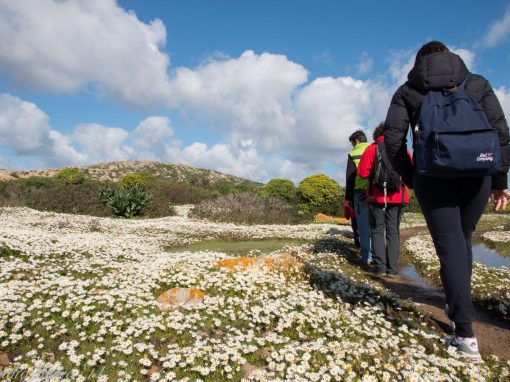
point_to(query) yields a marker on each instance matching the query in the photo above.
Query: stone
(265, 353)
(243, 262)
(177, 297)
(19, 276)
(153, 370)
(322, 218)
(250, 370)
(4, 359)
(98, 292)
(218, 333)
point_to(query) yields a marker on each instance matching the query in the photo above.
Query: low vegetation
(247, 208)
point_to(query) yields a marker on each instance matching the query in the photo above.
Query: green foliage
(246, 208)
(51, 194)
(134, 179)
(413, 205)
(37, 182)
(225, 189)
(279, 188)
(3, 187)
(71, 175)
(127, 201)
(320, 193)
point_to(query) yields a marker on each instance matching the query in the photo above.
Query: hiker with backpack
(355, 193)
(386, 195)
(461, 157)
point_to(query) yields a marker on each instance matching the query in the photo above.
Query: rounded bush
(134, 179)
(321, 193)
(279, 188)
(71, 175)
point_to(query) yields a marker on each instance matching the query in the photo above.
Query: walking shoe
(466, 347)
(377, 273)
(447, 311)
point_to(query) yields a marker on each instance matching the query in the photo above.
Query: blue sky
(260, 89)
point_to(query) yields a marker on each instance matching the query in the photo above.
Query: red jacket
(374, 193)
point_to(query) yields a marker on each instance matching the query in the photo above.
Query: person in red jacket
(385, 212)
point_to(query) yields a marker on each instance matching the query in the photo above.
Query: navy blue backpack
(453, 137)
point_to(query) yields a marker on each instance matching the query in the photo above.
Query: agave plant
(127, 201)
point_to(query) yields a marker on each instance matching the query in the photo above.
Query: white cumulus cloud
(365, 65)
(328, 110)
(65, 46)
(152, 133)
(102, 143)
(498, 31)
(25, 130)
(250, 96)
(503, 95)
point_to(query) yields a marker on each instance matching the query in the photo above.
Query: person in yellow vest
(355, 193)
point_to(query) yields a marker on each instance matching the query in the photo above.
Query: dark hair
(431, 47)
(358, 135)
(379, 130)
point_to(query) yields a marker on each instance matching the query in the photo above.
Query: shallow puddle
(409, 271)
(489, 257)
(239, 248)
(481, 254)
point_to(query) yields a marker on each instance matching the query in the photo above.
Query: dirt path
(493, 333)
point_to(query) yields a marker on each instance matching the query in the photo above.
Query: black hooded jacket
(438, 71)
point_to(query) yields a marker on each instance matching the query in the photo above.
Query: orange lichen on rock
(243, 262)
(322, 218)
(283, 262)
(176, 297)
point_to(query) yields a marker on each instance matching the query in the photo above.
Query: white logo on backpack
(485, 157)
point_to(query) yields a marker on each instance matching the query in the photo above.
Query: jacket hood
(438, 70)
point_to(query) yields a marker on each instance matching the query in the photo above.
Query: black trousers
(452, 208)
(385, 234)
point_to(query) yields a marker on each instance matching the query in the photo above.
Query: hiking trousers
(361, 209)
(452, 208)
(385, 233)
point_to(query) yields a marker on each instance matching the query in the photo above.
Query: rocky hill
(113, 171)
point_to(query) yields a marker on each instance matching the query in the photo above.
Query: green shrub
(53, 195)
(413, 205)
(71, 175)
(37, 182)
(278, 188)
(127, 201)
(248, 208)
(134, 179)
(3, 187)
(224, 189)
(179, 194)
(320, 193)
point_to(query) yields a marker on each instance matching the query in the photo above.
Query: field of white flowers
(78, 303)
